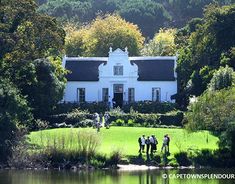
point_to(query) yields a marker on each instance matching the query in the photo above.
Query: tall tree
(163, 44)
(214, 111)
(103, 32)
(208, 44)
(14, 116)
(26, 35)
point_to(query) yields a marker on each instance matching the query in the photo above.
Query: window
(118, 88)
(118, 70)
(81, 95)
(131, 94)
(156, 94)
(105, 94)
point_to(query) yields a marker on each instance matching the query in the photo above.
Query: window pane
(81, 94)
(118, 70)
(118, 88)
(156, 94)
(131, 94)
(105, 94)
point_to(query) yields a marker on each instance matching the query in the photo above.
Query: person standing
(106, 120)
(164, 144)
(95, 120)
(155, 142)
(100, 119)
(168, 143)
(142, 143)
(151, 144)
(147, 142)
(114, 103)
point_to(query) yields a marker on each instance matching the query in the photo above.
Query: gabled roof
(83, 69)
(155, 68)
(149, 68)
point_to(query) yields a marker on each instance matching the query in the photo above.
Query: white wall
(143, 89)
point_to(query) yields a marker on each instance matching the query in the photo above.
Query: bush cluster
(205, 157)
(83, 118)
(150, 107)
(147, 120)
(99, 107)
(76, 118)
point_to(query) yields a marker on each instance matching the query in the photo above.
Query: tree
(46, 88)
(25, 36)
(103, 32)
(224, 77)
(214, 111)
(215, 36)
(163, 44)
(14, 116)
(69, 10)
(207, 44)
(147, 14)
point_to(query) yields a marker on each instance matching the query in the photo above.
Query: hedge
(149, 120)
(101, 107)
(150, 107)
(76, 118)
(81, 118)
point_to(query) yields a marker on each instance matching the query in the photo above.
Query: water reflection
(108, 177)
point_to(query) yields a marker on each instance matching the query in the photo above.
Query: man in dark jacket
(147, 142)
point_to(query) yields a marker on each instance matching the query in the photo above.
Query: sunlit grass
(126, 139)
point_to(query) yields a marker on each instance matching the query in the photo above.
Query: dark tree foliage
(14, 115)
(25, 36)
(206, 45)
(45, 89)
(28, 87)
(149, 15)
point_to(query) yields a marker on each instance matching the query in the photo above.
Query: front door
(118, 95)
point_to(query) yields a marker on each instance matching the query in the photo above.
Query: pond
(204, 176)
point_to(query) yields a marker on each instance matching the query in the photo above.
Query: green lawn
(126, 138)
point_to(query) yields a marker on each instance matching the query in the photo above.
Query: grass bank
(125, 139)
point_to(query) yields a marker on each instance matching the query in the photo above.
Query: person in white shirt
(143, 143)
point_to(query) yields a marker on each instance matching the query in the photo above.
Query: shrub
(182, 159)
(93, 107)
(115, 158)
(40, 124)
(130, 123)
(157, 158)
(150, 107)
(119, 122)
(172, 118)
(205, 158)
(84, 123)
(77, 117)
(149, 120)
(173, 162)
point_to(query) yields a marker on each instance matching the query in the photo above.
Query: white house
(120, 78)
